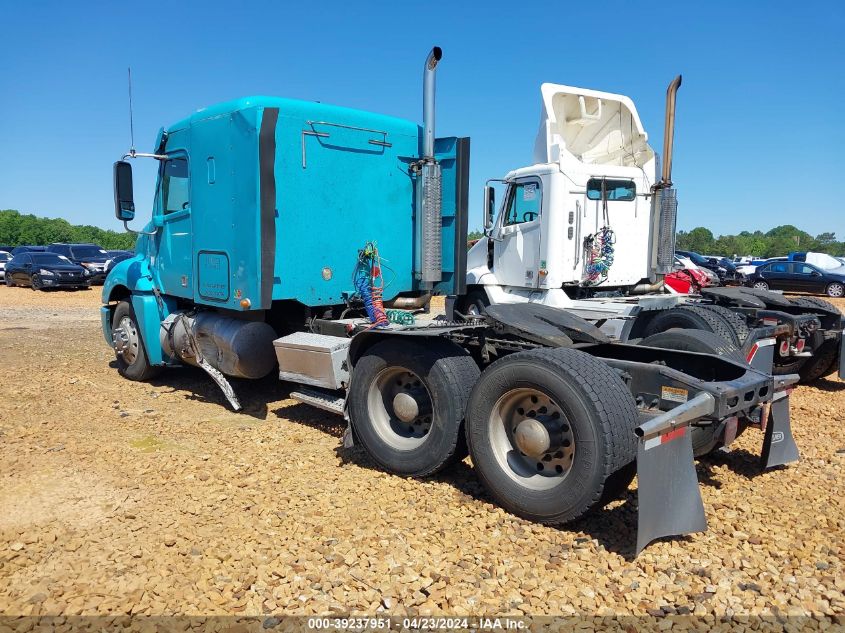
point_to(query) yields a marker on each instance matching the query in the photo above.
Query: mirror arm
(134, 154)
(126, 226)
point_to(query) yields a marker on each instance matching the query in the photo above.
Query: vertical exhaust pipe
(429, 252)
(669, 131)
(664, 210)
(431, 62)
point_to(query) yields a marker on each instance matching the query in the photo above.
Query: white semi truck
(589, 227)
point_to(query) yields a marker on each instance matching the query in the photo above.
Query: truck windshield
(617, 190)
(81, 252)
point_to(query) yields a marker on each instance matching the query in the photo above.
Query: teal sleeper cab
(264, 199)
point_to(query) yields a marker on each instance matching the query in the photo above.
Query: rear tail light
(799, 345)
(784, 348)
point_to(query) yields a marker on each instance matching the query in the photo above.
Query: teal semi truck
(302, 237)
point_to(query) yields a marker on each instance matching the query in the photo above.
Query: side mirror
(489, 208)
(124, 201)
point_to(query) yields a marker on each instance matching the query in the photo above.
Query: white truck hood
(591, 127)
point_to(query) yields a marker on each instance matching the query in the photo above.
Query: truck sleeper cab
(276, 226)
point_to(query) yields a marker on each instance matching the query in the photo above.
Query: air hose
(369, 284)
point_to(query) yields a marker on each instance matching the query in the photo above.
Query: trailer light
(784, 348)
(245, 303)
(799, 345)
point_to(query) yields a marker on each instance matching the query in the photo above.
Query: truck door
(516, 245)
(172, 261)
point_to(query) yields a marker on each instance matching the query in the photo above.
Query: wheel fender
(133, 273)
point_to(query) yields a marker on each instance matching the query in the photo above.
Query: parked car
(41, 270)
(687, 280)
(115, 257)
(90, 256)
(799, 277)
(726, 273)
(686, 262)
(5, 256)
(6, 248)
(747, 269)
(28, 249)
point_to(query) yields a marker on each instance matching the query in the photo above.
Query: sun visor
(590, 127)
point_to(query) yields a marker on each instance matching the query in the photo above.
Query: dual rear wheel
(550, 431)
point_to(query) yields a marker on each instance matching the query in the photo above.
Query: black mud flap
(842, 356)
(668, 495)
(779, 446)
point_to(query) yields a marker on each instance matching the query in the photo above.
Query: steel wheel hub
(126, 341)
(401, 408)
(531, 438)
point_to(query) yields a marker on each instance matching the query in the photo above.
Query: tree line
(17, 229)
(780, 241)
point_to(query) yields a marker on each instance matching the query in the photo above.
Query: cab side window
(523, 203)
(175, 189)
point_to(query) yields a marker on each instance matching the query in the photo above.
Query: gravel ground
(119, 497)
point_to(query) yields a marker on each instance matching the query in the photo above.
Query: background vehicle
(41, 270)
(28, 249)
(115, 257)
(4, 257)
(536, 395)
(747, 269)
(686, 262)
(799, 277)
(585, 228)
(90, 256)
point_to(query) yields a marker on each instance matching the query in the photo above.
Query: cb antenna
(131, 122)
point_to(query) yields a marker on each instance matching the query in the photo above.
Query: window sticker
(529, 191)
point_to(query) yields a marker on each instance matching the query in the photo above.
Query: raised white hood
(591, 127)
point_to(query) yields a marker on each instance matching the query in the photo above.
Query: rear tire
(825, 360)
(734, 319)
(704, 438)
(133, 362)
(589, 417)
(760, 285)
(428, 383)
(835, 289)
(693, 317)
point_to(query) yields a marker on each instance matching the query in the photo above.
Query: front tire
(547, 429)
(407, 402)
(35, 280)
(835, 290)
(130, 353)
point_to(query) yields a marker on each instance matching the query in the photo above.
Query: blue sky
(759, 113)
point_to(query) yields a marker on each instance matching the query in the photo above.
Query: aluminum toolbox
(313, 359)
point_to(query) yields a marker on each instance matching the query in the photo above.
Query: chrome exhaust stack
(669, 132)
(429, 254)
(665, 202)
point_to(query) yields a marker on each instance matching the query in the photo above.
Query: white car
(4, 257)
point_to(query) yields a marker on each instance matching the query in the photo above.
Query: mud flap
(668, 495)
(779, 446)
(842, 356)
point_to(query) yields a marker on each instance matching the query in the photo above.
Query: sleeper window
(174, 185)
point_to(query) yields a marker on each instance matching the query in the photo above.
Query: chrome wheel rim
(126, 340)
(531, 438)
(400, 407)
(835, 290)
(760, 285)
